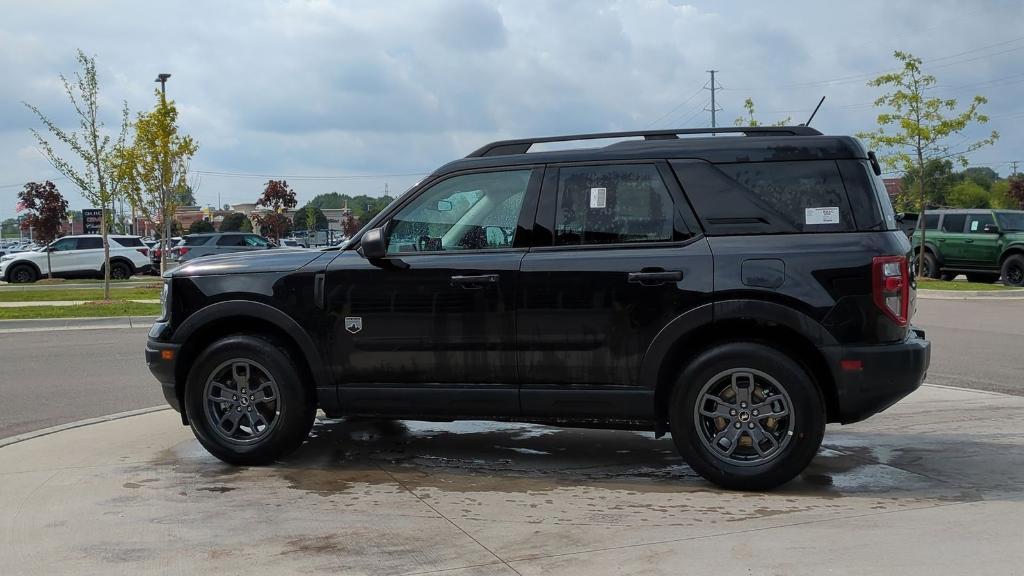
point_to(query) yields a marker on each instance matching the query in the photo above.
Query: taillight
(179, 252)
(143, 251)
(891, 287)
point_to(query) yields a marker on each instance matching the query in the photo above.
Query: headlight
(6, 257)
(165, 301)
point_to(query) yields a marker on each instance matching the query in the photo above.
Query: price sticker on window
(829, 215)
(598, 197)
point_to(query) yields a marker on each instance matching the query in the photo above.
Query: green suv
(982, 244)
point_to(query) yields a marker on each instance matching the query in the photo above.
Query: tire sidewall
(808, 408)
(31, 275)
(115, 266)
(296, 405)
(1013, 261)
(931, 266)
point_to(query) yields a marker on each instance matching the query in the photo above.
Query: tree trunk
(168, 226)
(49, 266)
(106, 253)
(920, 218)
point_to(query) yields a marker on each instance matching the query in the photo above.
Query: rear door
(953, 240)
(88, 254)
(618, 260)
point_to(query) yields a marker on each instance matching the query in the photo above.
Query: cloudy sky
(350, 96)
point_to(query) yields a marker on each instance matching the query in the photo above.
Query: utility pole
(712, 87)
(165, 193)
(1014, 172)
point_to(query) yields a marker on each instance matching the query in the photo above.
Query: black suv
(738, 291)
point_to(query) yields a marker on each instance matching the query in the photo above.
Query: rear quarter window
(129, 242)
(767, 197)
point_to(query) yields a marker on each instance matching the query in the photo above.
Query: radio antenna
(808, 123)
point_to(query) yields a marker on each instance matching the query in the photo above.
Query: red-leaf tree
(350, 225)
(278, 197)
(1016, 190)
(46, 209)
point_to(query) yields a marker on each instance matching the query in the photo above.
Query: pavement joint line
(4, 442)
(446, 570)
(973, 390)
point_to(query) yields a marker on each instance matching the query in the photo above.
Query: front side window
(612, 204)
(90, 243)
(231, 240)
(1011, 221)
(195, 240)
(976, 222)
(931, 221)
(466, 212)
(256, 242)
(63, 244)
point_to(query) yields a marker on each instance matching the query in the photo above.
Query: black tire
(23, 274)
(982, 278)
(120, 270)
(795, 451)
(1013, 270)
(294, 406)
(930, 268)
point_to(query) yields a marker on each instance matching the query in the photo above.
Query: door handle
(969, 241)
(941, 240)
(654, 278)
(474, 282)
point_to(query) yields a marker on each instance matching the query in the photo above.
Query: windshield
(1011, 221)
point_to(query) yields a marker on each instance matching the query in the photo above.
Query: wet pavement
(934, 485)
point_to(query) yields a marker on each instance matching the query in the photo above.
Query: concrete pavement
(935, 485)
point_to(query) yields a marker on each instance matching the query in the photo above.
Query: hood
(273, 260)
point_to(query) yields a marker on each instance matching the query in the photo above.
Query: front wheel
(23, 274)
(1013, 270)
(746, 416)
(247, 402)
(930, 266)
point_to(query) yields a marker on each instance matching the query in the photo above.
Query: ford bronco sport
(983, 244)
(738, 291)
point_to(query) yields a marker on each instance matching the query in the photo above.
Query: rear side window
(953, 222)
(612, 204)
(129, 242)
(976, 222)
(931, 221)
(231, 240)
(256, 241)
(767, 197)
(89, 243)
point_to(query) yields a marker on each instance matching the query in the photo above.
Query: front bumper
(162, 359)
(870, 379)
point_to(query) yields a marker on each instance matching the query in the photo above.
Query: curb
(86, 323)
(970, 294)
(4, 442)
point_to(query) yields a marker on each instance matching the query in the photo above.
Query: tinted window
(1011, 221)
(931, 221)
(231, 240)
(953, 222)
(90, 243)
(612, 205)
(256, 241)
(128, 241)
(466, 212)
(976, 222)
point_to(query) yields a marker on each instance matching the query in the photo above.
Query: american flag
(19, 207)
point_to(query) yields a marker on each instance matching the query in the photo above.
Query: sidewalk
(1016, 294)
(46, 325)
(934, 485)
(32, 304)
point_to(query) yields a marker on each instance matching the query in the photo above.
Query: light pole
(165, 241)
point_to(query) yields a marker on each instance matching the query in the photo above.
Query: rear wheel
(247, 402)
(120, 271)
(746, 416)
(983, 278)
(1013, 270)
(23, 274)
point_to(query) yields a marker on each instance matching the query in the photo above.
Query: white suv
(78, 256)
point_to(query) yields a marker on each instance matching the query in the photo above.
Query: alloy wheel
(242, 401)
(744, 417)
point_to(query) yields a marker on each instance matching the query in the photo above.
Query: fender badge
(353, 324)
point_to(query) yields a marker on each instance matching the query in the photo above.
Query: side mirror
(990, 229)
(372, 244)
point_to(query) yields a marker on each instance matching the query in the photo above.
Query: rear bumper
(886, 374)
(162, 359)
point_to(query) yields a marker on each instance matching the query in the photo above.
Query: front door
(953, 241)
(430, 328)
(62, 255)
(622, 263)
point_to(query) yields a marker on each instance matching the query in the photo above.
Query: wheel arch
(1011, 250)
(16, 263)
(239, 317)
(775, 325)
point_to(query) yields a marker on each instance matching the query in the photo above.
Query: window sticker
(598, 197)
(974, 225)
(827, 215)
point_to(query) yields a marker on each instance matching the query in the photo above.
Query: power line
(676, 107)
(314, 177)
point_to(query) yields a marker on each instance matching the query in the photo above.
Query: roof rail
(522, 146)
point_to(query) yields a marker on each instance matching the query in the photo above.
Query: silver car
(197, 245)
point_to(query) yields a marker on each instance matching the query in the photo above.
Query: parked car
(197, 245)
(736, 292)
(78, 257)
(291, 243)
(156, 252)
(980, 243)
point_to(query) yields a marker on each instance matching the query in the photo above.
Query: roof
(720, 145)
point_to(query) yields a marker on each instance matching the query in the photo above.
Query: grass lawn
(80, 311)
(143, 292)
(58, 281)
(929, 284)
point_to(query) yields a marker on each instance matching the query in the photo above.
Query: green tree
(201, 227)
(1000, 195)
(310, 214)
(981, 175)
(10, 228)
(969, 194)
(940, 177)
(156, 166)
(246, 225)
(750, 120)
(93, 148)
(914, 128)
(233, 222)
